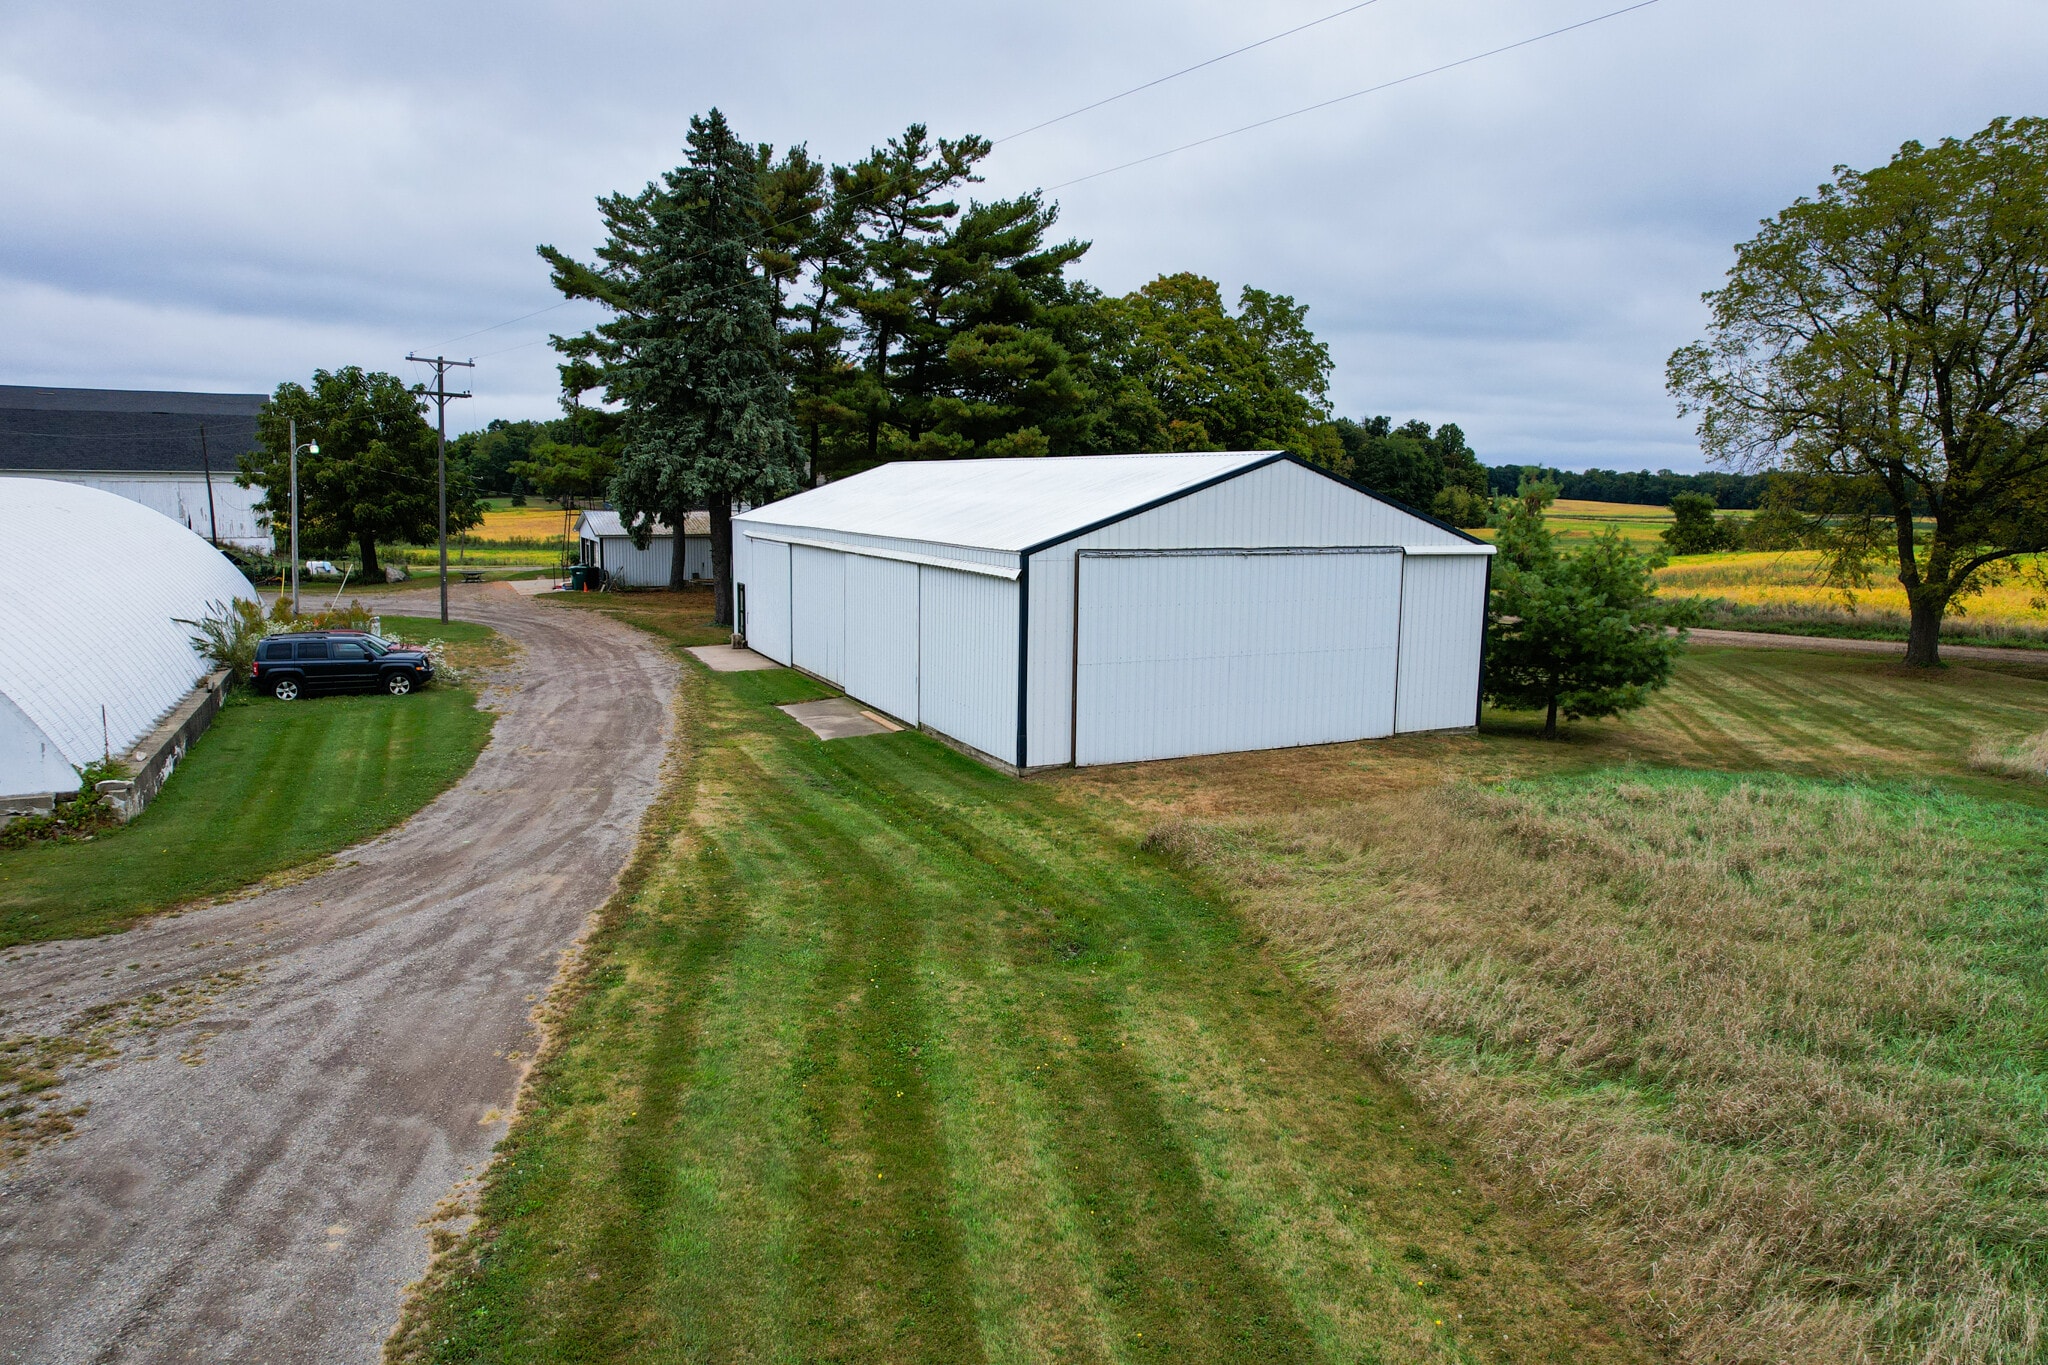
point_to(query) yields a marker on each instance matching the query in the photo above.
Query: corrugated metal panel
(994, 504)
(1205, 653)
(817, 617)
(1278, 506)
(764, 567)
(936, 552)
(1443, 610)
(105, 631)
(1281, 504)
(881, 634)
(648, 568)
(967, 642)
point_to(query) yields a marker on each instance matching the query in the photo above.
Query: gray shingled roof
(123, 430)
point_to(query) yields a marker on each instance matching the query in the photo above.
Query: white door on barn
(817, 612)
(1182, 652)
(882, 634)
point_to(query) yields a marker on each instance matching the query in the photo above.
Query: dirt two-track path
(250, 1182)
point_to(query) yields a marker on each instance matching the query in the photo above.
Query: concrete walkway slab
(837, 719)
(726, 659)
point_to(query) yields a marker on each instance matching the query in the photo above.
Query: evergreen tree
(691, 352)
(1580, 634)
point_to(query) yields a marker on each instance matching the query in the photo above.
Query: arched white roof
(91, 585)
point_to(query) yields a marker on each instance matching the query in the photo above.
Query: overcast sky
(220, 197)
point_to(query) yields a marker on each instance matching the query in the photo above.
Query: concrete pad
(726, 659)
(836, 719)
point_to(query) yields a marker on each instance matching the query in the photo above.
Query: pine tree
(1577, 633)
(691, 351)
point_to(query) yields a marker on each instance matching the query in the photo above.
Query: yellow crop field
(524, 523)
(1788, 583)
(1576, 520)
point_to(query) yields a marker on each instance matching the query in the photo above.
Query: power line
(1356, 94)
(1186, 70)
(1199, 142)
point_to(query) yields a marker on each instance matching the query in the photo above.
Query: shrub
(79, 818)
(228, 634)
(1694, 530)
(1461, 507)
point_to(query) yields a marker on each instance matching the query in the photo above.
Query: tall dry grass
(1751, 1033)
(2023, 758)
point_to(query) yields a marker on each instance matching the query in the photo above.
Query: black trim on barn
(1023, 651)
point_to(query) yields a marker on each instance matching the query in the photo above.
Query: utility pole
(295, 515)
(212, 526)
(440, 395)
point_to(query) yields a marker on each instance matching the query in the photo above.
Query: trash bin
(578, 577)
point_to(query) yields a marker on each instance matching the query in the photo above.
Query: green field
(268, 787)
(881, 1056)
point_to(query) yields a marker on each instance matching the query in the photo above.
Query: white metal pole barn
(1113, 608)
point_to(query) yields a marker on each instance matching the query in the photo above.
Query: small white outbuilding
(92, 654)
(1111, 608)
(602, 541)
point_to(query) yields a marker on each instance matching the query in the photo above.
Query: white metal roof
(1007, 505)
(605, 524)
(90, 584)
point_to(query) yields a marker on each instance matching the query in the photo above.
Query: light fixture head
(312, 447)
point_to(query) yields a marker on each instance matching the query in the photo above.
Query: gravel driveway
(330, 1059)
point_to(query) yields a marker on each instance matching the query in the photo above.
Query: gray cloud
(217, 196)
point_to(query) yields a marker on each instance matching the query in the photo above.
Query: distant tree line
(1730, 491)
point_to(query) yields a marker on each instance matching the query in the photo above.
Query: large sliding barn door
(1183, 652)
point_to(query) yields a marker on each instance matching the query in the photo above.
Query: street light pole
(440, 395)
(295, 515)
(311, 448)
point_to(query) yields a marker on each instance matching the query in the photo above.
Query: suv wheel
(398, 684)
(285, 689)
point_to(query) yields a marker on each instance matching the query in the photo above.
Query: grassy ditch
(1775, 1042)
(269, 786)
(883, 1056)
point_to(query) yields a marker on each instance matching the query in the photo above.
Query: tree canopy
(374, 477)
(691, 352)
(1884, 345)
(1695, 530)
(1576, 633)
(1431, 471)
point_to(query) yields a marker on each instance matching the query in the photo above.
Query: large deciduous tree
(1575, 633)
(691, 351)
(1883, 345)
(373, 479)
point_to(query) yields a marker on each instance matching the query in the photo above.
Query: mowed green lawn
(883, 1056)
(880, 1056)
(270, 785)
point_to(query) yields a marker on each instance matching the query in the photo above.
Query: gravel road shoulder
(300, 1078)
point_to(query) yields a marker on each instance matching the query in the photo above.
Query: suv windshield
(378, 647)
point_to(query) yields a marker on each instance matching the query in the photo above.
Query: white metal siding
(1215, 653)
(1272, 507)
(968, 671)
(764, 568)
(881, 634)
(636, 568)
(1443, 610)
(817, 618)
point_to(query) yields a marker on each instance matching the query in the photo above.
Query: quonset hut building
(92, 654)
(1112, 608)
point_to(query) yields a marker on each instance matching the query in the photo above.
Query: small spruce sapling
(1580, 634)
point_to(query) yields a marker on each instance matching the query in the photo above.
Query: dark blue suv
(291, 666)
